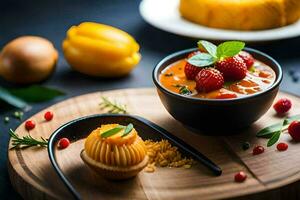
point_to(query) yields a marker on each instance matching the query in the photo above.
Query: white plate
(164, 15)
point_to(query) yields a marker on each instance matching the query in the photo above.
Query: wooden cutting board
(272, 174)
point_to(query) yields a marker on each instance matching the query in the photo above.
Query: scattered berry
(208, 80)
(232, 68)
(245, 146)
(240, 177)
(48, 116)
(29, 125)
(247, 58)
(294, 130)
(282, 146)
(63, 143)
(190, 70)
(258, 150)
(282, 105)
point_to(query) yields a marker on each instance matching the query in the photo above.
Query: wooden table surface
(51, 19)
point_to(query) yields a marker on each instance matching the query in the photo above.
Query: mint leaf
(128, 129)
(229, 49)
(112, 131)
(184, 90)
(270, 130)
(11, 99)
(275, 137)
(202, 60)
(209, 47)
(36, 93)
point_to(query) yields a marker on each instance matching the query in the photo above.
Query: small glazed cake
(241, 14)
(115, 151)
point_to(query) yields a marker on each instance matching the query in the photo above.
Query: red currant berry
(29, 125)
(240, 177)
(282, 105)
(48, 116)
(294, 130)
(258, 150)
(282, 146)
(63, 143)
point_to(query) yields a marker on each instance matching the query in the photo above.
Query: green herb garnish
(112, 131)
(113, 107)
(184, 90)
(169, 74)
(274, 131)
(128, 129)
(117, 129)
(25, 141)
(215, 53)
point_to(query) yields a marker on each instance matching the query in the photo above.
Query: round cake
(241, 14)
(120, 155)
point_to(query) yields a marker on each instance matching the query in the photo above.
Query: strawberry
(282, 106)
(232, 68)
(247, 58)
(209, 79)
(190, 70)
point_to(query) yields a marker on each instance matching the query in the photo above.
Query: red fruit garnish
(226, 96)
(282, 105)
(190, 70)
(282, 146)
(294, 130)
(247, 58)
(29, 125)
(240, 177)
(258, 150)
(48, 116)
(208, 80)
(232, 68)
(63, 143)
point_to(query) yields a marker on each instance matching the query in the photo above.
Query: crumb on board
(163, 154)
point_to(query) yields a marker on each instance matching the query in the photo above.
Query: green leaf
(270, 130)
(184, 90)
(112, 131)
(202, 60)
(209, 47)
(128, 129)
(11, 99)
(275, 137)
(36, 93)
(229, 49)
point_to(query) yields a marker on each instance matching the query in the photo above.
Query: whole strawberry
(232, 68)
(282, 106)
(190, 70)
(208, 80)
(247, 58)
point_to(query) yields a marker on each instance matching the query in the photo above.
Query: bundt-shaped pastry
(241, 14)
(115, 156)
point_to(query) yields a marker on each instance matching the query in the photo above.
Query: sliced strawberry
(190, 70)
(247, 58)
(232, 68)
(208, 80)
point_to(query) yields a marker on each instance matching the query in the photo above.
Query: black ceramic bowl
(217, 114)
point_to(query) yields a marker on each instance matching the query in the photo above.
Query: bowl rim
(277, 82)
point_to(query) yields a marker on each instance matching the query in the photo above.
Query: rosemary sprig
(26, 141)
(113, 107)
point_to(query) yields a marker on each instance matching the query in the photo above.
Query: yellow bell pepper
(100, 50)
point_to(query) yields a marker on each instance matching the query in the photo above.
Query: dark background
(51, 19)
